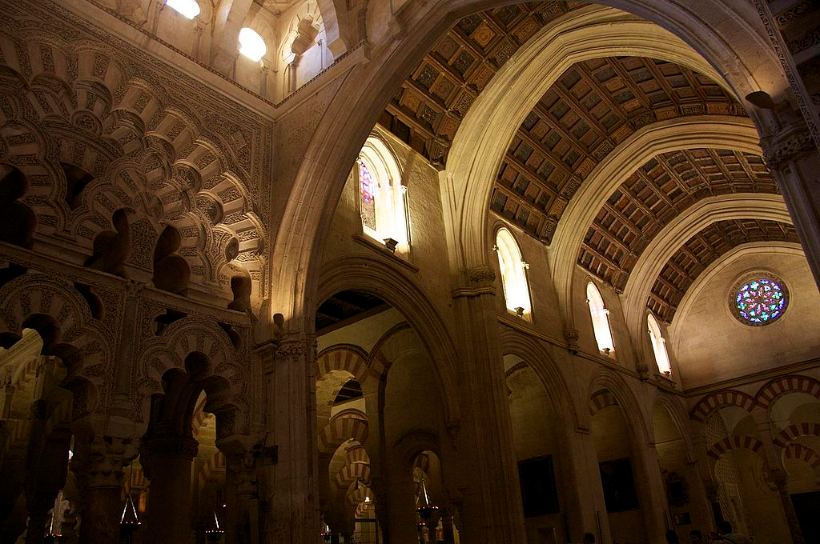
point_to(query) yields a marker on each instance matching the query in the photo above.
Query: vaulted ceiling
(702, 250)
(432, 102)
(594, 106)
(654, 195)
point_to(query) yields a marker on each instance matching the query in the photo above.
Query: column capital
(476, 281)
(787, 145)
(100, 461)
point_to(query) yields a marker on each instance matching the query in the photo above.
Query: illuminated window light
(188, 8)
(251, 44)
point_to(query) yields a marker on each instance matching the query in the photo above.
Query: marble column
(241, 514)
(167, 464)
(700, 503)
(290, 487)
(777, 475)
(98, 464)
(492, 510)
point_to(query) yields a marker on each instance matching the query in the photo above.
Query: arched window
(600, 319)
(251, 44)
(659, 346)
(513, 274)
(187, 8)
(382, 197)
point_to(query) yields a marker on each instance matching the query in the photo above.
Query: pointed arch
(401, 292)
(536, 357)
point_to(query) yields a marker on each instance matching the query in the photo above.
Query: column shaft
(492, 510)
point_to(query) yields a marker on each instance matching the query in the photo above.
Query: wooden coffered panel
(428, 109)
(656, 193)
(594, 106)
(703, 249)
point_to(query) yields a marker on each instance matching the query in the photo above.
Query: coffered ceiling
(654, 195)
(593, 107)
(702, 250)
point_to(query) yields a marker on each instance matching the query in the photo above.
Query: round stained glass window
(759, 300)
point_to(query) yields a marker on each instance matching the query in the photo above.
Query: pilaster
(492, 509)
(583, 489)
(291, 493)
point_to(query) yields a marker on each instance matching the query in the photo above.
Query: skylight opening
(251, 44)
(187, 8)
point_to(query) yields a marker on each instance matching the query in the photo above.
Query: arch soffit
(402, 293)
(678, 231)
(348, 357)
(305, 219)
(536, 357)
(630, 408)
(677, 412)
(721, 399)
(674, 135)
(491, 122)
(723, 262)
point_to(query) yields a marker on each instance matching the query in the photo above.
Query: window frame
(390, 195)
(599, 320)
(517, 298)
(658, 342)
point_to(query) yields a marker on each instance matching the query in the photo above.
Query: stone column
(167, 464)
(794, 161)
(46, 469)
(401, 496)
(777, 475)
(492, 509)
(99, 464)
(699, 501)
(652, 492)
(581, 485)
(291, 491)
(241, 498)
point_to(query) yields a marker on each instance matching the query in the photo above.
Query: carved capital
(100, 461)
(480, 275)
(787, 145)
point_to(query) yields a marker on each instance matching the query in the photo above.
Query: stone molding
(787, 146)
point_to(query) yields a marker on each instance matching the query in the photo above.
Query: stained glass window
(759, 300)
(368, 196)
